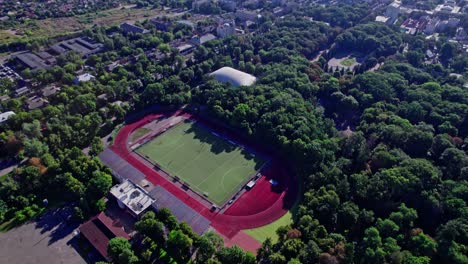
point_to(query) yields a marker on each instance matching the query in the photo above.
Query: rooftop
(85, 77)
(99, 230)
(233, 76)
(132, 197)
(5, 116)
(50, 90)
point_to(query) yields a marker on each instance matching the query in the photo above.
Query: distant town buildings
(9, 73)
(130, 28)
(36, 60)
(85, 77)
(197, 40)
(160, 24)
(83, 45)
(391, 14)
(245, 14)
(36, 102)
(50, 90)
(226, 28)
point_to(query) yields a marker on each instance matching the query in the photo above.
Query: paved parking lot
(48, 239)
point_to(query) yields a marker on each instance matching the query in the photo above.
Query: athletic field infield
(209, 164)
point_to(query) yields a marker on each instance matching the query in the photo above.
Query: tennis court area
(209, 164)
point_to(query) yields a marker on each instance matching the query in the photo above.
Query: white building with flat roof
(131, 197)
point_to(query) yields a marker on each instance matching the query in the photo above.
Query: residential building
(244, 15)
(4, 98)
(129, 28)
(393, 10)
(226, 28)
(50, 90)
(431, 26)
(186, 22)
(197, 3)
(22, 91)
(197, 40)
(160, 24)
(36, 102)
(229, 5)
(7, 72)
(85, 77)
(185, 48)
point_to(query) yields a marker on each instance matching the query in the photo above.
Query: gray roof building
(129, 28)
(84, 46)
(203, 39)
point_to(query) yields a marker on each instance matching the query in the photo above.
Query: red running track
(257, 207)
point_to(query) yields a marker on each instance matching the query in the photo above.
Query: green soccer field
(210, 165)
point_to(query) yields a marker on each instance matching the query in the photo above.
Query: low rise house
(226, 28)
(129, 28)
(85, 77)
(185, 48)
(4, 98)
(197, 40)
(7, 72)
(50, 90)
(36, 102)
(22, 91)
(161, 24)
(244, 15)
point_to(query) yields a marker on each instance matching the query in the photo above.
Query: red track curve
(255, 208)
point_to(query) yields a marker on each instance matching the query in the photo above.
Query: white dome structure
(233, 76)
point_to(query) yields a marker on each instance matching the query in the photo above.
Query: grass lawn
(209, 164)
(138, 133)
(263, 232)
(48, 27)
(348, 61)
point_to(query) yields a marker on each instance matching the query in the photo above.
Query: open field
(139, 133)
(209, 164)
(348, 61)
(263, 232)
(67, 25)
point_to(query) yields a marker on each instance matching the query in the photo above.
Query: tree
(96, 147)
(454, 160)
(35, 148)
(152, 228)
(234, 255)
(33, 129)
(423, 245)
(179, 245)
(99, 185)
(167, 218)
(117, 246)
